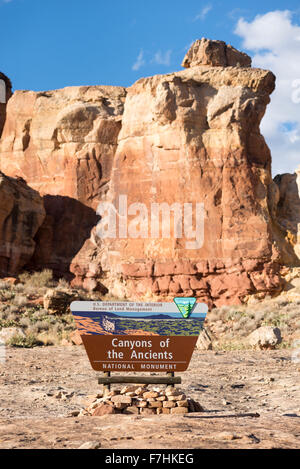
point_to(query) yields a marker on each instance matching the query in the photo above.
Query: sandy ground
(227, 384)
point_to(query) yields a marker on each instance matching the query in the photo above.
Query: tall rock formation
(180, 139)
(288, 208)
(21, 215)
(62, 143)
(192, 137)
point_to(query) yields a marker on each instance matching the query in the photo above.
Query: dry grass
(38, 279)
(230, 325)
(17, 309)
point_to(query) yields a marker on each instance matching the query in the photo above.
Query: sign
(134, 336)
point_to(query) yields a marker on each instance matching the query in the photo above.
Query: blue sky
(48, 44)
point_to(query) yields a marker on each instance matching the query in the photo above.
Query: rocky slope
(188, 137)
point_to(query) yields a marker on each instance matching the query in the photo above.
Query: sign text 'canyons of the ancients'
(133, 336)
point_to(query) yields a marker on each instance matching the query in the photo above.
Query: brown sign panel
(146, 337)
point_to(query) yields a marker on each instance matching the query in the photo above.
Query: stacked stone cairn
(141, 400)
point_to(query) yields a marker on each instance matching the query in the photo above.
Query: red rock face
(21, 214)
(193, 137)
(63, 142)
(190, 137)
(67, 225)
(288, 210)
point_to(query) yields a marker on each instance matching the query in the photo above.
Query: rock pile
(141, 400)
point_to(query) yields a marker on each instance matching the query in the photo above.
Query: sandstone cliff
(288, 207)
(21, 215)
(187, 137)
(62, 143)
(194, 136)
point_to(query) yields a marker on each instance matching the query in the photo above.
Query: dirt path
(226, 384)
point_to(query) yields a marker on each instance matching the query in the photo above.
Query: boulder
(8, 333)
(265, 337)
(103, 409)
(58, 302)
(215, 54)
(11, 280)
(21, 215)
(75, 338)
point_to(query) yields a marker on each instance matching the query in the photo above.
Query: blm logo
(185, 306)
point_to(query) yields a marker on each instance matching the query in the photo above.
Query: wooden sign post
(139, 337)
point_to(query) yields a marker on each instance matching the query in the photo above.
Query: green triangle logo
(185, 306)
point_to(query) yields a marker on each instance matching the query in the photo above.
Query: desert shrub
(19, 288)
(243, 321)
(297, 325)
(213, 315)
(63, 284)
(49, 338)
(38, 314)
(259, 316)
(6, 295)
(37, 279)
(42, 326)
(12, 317)
(235, 314)
(24, 322)
(12, 309)
(26, 342)
(7, 323)
(20, 300)
(223, 312)
(250, 326)
(3, 314)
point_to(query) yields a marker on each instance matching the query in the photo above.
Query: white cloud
(274, 39)
(140, 62)
(162, 58)
(203, 13)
